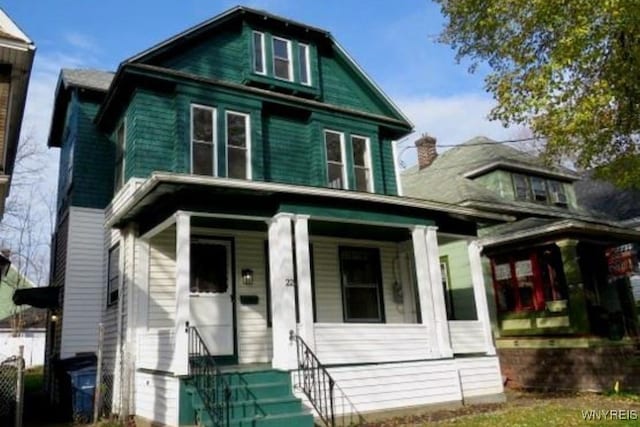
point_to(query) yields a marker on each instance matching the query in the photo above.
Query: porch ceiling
(164, 194)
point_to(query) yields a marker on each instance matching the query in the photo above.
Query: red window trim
(538, 302)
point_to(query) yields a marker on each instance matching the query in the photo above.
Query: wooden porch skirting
(577, 369)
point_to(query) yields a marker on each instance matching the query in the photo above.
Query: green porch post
(578, 315)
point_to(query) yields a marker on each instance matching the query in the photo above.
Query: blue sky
(394, 41)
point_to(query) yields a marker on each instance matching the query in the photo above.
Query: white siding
(254, 338)
(397, 385)
(480, 376)
(467, 336)
(110, 313)
(33, 342)
(327, 282)
(154, 350)
(84, 281)
(162, 279)
(156, 398)
(340, 343)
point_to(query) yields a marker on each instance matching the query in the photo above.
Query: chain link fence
(11, 389)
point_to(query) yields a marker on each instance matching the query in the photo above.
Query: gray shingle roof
(605, 197)
(444, 180)
(89, 79)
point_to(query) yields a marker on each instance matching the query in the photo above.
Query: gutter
(158, 178)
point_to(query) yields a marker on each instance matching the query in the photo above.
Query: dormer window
(258, 53)
(303, 62)
(282, 68)
(521, 187)
(539, 189)
(557, 193)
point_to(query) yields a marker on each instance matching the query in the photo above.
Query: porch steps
(259, 398)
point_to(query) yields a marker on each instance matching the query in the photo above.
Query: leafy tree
(569, 70)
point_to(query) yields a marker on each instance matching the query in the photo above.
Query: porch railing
(330, 402)
(208, 380)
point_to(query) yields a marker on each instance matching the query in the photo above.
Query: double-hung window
(282, 67)
(361, 284)
(521, 187)
(539, 189)
(238, 146)
(203, 141)
(303, 64)
(119, 161)
(361, 163)
(113, 274)
(336, 167)
(258, 53)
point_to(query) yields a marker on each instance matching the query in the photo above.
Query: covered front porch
(370, 288)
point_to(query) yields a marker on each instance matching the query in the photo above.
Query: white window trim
(214, 133)
(367, 160)
(342, 156)
(247, 121)
(262, 53)
(289, 54)
(307, 69)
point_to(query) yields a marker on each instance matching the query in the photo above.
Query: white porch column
(283, 306)
(423, 278)
(303, 267)
(480, 295)
(439, 305)
(183, 260)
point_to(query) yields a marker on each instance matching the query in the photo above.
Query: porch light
(54, 318)
(247, 276)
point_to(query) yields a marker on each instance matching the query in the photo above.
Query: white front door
(211, 296)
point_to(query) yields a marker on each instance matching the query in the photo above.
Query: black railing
(330, 402)
(208, 380)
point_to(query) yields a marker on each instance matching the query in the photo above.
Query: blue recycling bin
(83, 385)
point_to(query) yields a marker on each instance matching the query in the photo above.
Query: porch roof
(537, 228)
(264, 199)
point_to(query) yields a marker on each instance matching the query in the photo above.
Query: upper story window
(121, 143)
(258, 53)
(537, 189)
(361, 163)
(203, 141)
(282, 66)
(303, 63)
(336, 168)
(238, 145)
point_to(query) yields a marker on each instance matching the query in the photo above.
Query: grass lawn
(532, 410)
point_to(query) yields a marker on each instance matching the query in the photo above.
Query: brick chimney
(427, 152)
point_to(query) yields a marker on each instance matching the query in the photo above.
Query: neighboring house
(19, 324)
(237, 183)
(16, 59)
(557, 289)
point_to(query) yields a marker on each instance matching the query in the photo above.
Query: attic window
(282, 59)
(521, 187)
(258, 53)
(539, 189)
(303, 62)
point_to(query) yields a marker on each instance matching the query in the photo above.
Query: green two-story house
(229, 197)
(557, 275)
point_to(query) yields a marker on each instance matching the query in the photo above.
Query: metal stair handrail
(208, 379)
(321, 389)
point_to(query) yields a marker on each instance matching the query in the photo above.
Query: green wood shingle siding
(287, 145)
(151, 135)
(223, 56)
(92, 156)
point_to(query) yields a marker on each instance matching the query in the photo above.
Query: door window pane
(208, 268)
